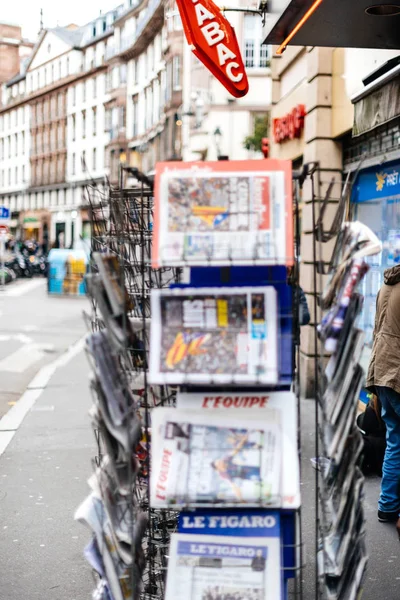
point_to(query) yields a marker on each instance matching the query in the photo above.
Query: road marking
(23, 358)
(10, 423)
(23, 288)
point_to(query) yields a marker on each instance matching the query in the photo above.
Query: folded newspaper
(228, 460)
(214, 335)
(206, 567)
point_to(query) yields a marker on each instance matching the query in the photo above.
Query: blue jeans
(389, 500)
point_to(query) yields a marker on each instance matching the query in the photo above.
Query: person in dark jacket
(384, 380)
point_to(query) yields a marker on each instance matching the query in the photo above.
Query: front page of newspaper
(229, 461)
(205, 567)
(218, 335)
(256, 405)
(213, 214)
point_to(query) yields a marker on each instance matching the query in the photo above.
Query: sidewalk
(43, 478)
(43, 475)
(382, 577)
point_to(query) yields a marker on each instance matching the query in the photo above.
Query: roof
(73, 37)
(334, 23)
(15, 79)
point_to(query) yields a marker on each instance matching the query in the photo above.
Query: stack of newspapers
(342, 556)
(226, 456)
(113, 511)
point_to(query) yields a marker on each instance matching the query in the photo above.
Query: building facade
(312, 121)
(124, 88)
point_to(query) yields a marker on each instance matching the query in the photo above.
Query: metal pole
(2, 249)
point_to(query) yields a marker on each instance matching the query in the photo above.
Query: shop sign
(377, 183)
(213, 40)
(290, 126)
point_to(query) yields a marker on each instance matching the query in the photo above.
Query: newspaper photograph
(232, 461)
(206, 567)
(239, 212)
(214, 335)
(257, 406)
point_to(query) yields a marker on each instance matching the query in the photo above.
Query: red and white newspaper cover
(218, 213)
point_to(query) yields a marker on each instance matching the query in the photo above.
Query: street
(34, 331)
(46, 448)
(45, 465)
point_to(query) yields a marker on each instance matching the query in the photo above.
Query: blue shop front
(376, 202)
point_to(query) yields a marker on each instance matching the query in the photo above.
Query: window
(16, 144)
(73, 127)
(108, 120)
(45, 76)
(135, 116)
(73, 169)
(84, 91)
(9, 176)
(60, 104)
(94, 161)
(23, 143)
(67, 65)
(136, 74)
(84, 161)
(1, 149)
(176, 69)
(74, 95)
(9, 146)
(16, 174)
(59, 69)
(255, 52)
(94, 121)
(23, 173)
(52, 73)
(122, 78)
(83, 123)
(94, 87)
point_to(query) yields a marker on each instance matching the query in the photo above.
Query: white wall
(76, 147)
(360, 62)
(15, 136)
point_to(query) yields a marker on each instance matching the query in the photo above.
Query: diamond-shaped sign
(213, 40)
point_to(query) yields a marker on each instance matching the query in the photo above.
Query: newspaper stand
(338, 343)
(131, 559)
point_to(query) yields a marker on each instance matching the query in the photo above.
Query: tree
(261, 130)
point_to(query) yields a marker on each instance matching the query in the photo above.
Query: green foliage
(261, 130)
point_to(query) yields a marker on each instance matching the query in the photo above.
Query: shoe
(398, 528)
(387, 517)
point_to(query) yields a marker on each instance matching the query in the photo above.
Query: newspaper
(223, 213)
(111, 273)
(214, 335)
(256, 405)
(206, 567)
(232, 460)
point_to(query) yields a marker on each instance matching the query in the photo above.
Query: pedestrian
(384, 380)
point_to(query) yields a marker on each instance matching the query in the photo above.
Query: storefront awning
(378, 103)
(335, 23)
(32, 225)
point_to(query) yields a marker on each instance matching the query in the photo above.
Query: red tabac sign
(290, 126)
(213, 40)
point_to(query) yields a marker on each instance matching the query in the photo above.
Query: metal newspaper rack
(122, 227)
(340, 550)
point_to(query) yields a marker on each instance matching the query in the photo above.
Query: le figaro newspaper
(226, 556)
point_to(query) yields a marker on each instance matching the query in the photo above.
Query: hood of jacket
(392, 275)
